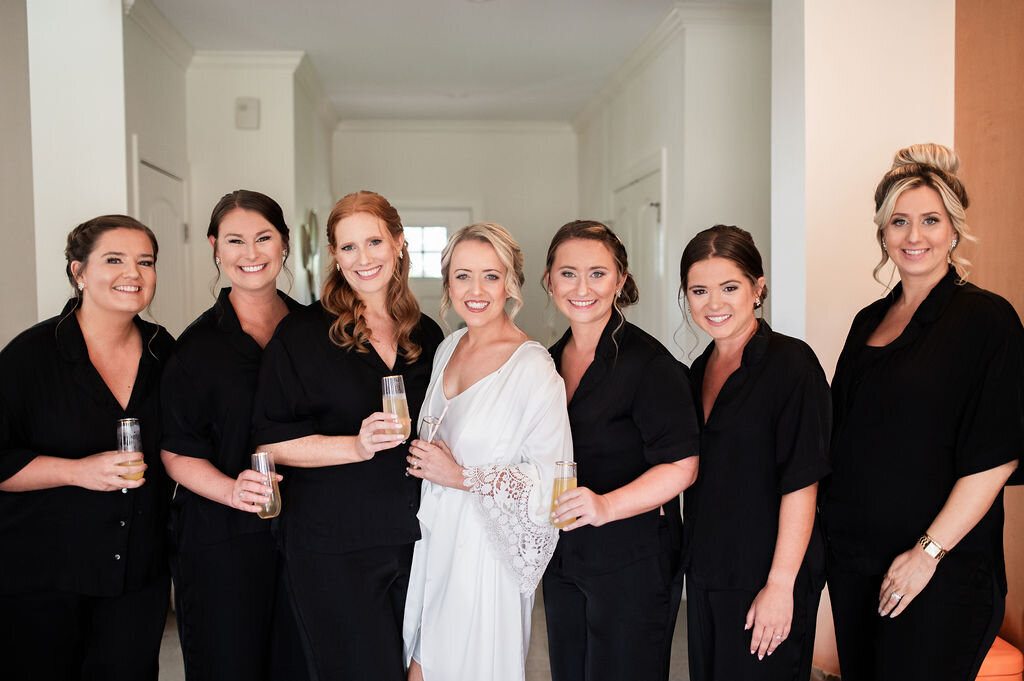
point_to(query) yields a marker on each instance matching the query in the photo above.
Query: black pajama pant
(719, 646)
(944, 633)
(349, 608)
(225, 601)
(53, 636)
(612, 626)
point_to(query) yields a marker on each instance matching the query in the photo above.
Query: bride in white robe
(486, 499)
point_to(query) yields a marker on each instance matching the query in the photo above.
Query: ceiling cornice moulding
(285, 60)
(470, 126)
(684, 15)
(153, 23)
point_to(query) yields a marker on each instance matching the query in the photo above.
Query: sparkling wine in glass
(565, 480)
(395, 402)
(263, 463)
(129, 439)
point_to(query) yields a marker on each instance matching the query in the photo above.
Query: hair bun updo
(936, 155)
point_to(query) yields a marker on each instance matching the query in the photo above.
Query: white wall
(18, 275)
(222, 158)
(76, 70)
(156, 58)
(699, 87)
(521, 175)
(862, 99)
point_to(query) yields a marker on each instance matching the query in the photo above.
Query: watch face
(931, 549)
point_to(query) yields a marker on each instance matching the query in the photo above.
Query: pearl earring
(216, 259)
(337, 267)
(81, 286)
(955, 242)
(884, 249)
(618, 294)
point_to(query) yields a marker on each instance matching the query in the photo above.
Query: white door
(162, 209)
(637, 210)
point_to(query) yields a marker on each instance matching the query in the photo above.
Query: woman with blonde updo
(488, 473)
(348, 519)
(927, 402)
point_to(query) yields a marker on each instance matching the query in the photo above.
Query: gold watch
(931, 547)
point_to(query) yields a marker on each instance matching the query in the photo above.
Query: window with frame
(425, 243)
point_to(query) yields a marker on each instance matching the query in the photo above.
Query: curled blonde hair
(924, 165)
(508, 251)
(350, 330)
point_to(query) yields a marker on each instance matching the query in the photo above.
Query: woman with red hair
(348, 522)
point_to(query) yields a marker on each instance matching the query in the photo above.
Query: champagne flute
(565, 480)
(129, 439)
(395, 402)
(263, 463)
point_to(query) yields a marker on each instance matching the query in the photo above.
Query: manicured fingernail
(760, 657)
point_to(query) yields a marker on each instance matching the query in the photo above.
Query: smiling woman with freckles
(83, 578)
(928, 430)
(612, 590)
(753, 551)
(225, 564)
(488, 473)
(348, 518)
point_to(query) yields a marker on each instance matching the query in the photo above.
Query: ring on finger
(778, 637)
(895, 594)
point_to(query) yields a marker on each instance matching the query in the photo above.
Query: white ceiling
(436, 59)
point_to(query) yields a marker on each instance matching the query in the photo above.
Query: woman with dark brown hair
(753, 550)
(83, 578)
(612, 589)
(225, 562)
(348, 522)
(928, 404)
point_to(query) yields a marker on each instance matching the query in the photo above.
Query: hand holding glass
(395, 402)
(565, 480)
(263, 463)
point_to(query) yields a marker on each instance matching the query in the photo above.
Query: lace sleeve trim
(503, 497)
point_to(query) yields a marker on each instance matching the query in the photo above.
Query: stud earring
(216, 259)
(284, 254)
(618, 294)
(757, 303)
(81, 286)
(955, 242)
(337, 267)
(884, 249)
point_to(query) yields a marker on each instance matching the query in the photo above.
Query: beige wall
(155, 61)
(18, 275)
(990, 140)
(314, 126)
(521, 175)
(223, 158)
